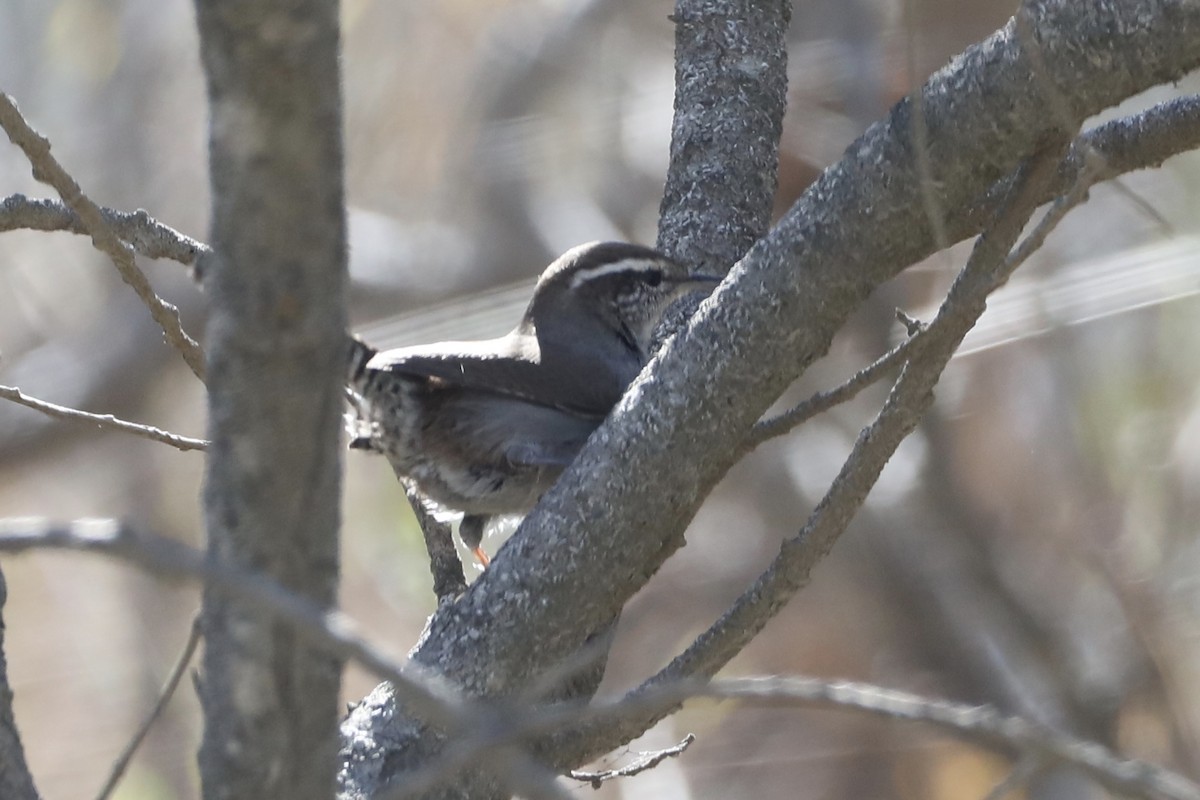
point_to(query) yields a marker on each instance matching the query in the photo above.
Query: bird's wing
(509, 366)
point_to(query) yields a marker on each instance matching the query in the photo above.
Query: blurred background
(1034, 545)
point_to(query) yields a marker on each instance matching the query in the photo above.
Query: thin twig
(1030, 742)
(428, 695)
(47, 170)
(823, 401)
(1094, 167)
(143, 232)
(981, 725)
(102, 420)
(1147, 208)
(168, 691)
(1093, 170)
(644, 761)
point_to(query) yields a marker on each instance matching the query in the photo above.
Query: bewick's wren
(487, 427)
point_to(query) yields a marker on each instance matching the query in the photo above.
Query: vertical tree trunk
(275, 337)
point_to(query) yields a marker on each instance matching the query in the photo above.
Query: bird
(486, 427)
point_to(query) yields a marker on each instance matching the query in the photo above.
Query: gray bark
(730, 95)
(275, 280)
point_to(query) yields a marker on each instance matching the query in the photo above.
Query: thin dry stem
(107, 421)
(121, 764)
(823, 401)
(644, 761)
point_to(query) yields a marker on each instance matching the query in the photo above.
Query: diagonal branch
(912, 394)
(1123, 145)
(331, 631)
(797, 415)
(121, 764)
(426, 695)
(47, 169)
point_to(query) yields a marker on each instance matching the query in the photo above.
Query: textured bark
(276, 281)
(621, 509)
(730, 94)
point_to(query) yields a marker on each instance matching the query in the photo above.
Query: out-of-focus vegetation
(1034, 546)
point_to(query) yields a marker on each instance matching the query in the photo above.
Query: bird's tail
(358, 353)
(358, 378)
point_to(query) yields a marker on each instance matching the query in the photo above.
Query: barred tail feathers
(358, 424)
(358, 354)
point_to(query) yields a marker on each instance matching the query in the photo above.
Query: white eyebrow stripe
(624, 265)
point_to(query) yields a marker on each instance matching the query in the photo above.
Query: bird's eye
(654, 277)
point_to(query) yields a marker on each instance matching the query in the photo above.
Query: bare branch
(449, 581)
(644, 761)
(982, 725)
(992, 261)
(1127, 144)
(47, 169)
(459, 755)
(144, 233)
(429, 697)
(823, 401)
(426, 694)
(1033, 744)
(102, 420)
(164, 697)
(1094, 168)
